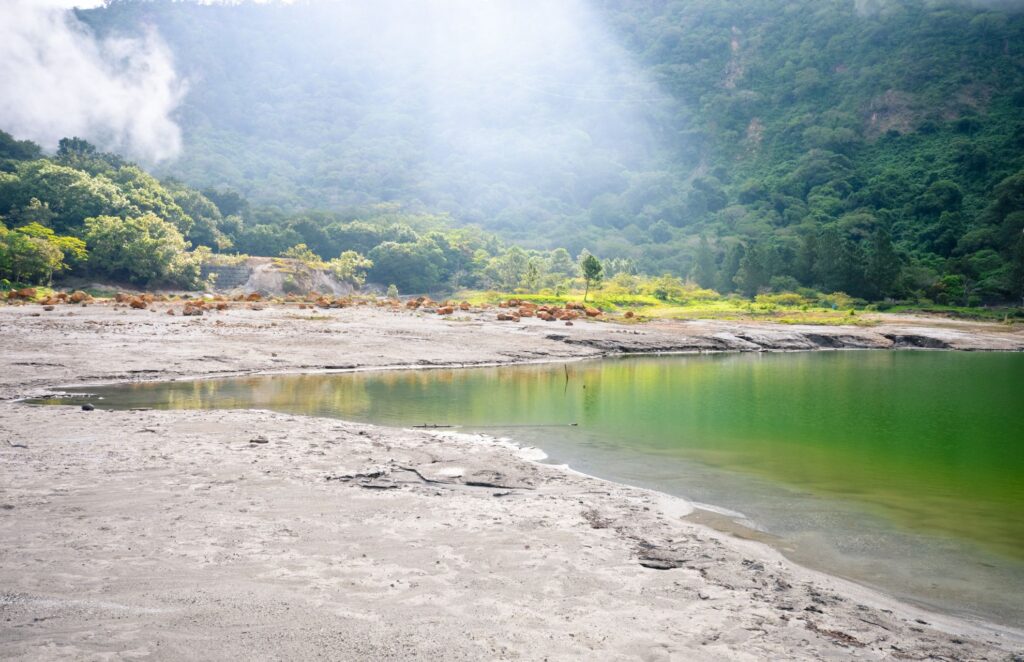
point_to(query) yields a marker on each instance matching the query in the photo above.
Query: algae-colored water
(904, 470)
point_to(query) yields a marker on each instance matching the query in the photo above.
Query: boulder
(592, 312)
(79, 296)
(138, 303)
(445, 310)
(629, 314)
(191, 310)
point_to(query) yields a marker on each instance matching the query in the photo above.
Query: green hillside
(872, 147)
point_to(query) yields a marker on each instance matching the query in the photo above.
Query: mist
(59, 80)
(504, 109)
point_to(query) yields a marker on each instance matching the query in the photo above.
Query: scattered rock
(259, 440)
(88, 406)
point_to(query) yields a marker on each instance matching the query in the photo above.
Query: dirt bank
(229, 534)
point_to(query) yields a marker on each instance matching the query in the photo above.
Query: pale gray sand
(169, 535)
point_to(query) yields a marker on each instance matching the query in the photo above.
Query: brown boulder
(137, 303)
(79, 296)
(629, 314)
(255, 296)
(445, 310)
(592, 312)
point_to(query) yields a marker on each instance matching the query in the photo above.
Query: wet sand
(219, 534)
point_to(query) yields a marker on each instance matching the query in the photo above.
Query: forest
(874, 148)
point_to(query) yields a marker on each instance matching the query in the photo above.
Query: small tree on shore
(592, 270)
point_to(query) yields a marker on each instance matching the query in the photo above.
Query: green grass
(732, 308)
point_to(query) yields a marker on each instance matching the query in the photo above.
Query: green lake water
(901, 470)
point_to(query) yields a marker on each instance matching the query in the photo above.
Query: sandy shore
(171, 535)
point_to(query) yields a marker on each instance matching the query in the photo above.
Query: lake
(899, 470)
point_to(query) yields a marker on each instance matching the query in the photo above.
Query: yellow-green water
(899, 469)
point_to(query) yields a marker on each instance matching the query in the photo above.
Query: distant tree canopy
(873, 147)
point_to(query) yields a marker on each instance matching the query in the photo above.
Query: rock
(191, 311)
(78, 297)
(592, 312)
(170, 311)
(446, 310)
(259, 440)
(255, 296)
(48, 307)
(629, 314)
(568, 323)
(138, 303)
(222, 306)
(26, 293)
(88, 406)
(122, 297)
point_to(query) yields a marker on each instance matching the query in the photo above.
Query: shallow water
(901, 470)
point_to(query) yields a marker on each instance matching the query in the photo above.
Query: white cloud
(59, 80)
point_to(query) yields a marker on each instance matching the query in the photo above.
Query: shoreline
(833, 633)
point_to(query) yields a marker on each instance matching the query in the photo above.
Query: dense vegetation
(92, 213)
(872, 147)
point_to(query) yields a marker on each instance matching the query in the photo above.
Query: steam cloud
(59, 80)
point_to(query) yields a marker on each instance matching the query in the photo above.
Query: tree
(140, 248)
(509, 269)
(532, 277)
(72, 195)
(350, 267)
(303, 254)
(1017, 270)
(883, 266)
(412, 267)
(27, 259)
(756, 269)
(730, 267)
(592, 270)
(18, 150)
(705, 269)
(560, 263)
